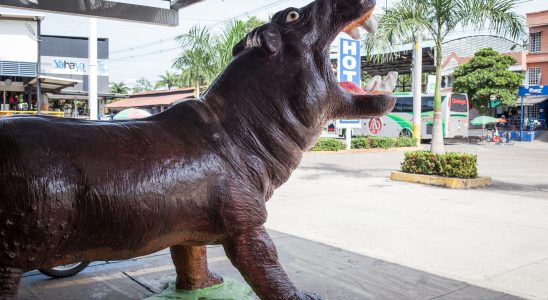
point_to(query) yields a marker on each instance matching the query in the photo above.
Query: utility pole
(39, 66)
(92, 76)
(417, 87)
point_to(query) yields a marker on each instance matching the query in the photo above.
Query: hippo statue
(197, 174)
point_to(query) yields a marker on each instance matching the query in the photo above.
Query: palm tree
(197, 57)
(168, 80)
(119, 88)
(437, 19)
(142, 85)
(231, 35)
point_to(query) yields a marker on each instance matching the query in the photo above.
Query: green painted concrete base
(228, 290)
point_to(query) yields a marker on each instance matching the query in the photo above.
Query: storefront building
(537, 63)
(18, 60)
(67, 57)
(61, 81)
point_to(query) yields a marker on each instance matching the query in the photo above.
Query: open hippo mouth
(294, 51)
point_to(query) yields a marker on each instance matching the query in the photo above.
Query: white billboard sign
(72, 66)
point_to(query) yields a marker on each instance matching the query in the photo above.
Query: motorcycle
(65, 270)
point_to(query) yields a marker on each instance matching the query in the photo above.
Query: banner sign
(349, 66)
(533, 90)
(72, 66)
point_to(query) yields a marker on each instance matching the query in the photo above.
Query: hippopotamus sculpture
(197, 174)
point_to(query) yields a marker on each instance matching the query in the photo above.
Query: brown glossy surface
(199, 173)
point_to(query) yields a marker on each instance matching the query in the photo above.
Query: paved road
(344, 230)
(494, 237)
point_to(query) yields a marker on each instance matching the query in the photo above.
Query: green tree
(197, 58)
(437, 19)
(168, 80)
(205, 55)
(233, 33)
(487, 75)
(142, 85)
(119, 88)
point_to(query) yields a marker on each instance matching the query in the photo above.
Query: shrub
(327, 144)
(451, 164)
(406, 142)
(368, 142)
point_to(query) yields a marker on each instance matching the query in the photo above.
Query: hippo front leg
(255, 256)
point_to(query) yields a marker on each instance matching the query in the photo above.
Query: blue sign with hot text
(533, 90)
(349, 61)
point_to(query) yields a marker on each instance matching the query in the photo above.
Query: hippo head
(284, 66)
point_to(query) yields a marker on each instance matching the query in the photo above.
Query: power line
(221, 22)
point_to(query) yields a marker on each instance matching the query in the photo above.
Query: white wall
(17, 43)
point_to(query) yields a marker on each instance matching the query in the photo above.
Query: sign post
(348, 125)
(349, 70)
(529, 90)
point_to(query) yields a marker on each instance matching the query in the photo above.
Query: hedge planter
(365, 144)
(454, 183)
(453, 170)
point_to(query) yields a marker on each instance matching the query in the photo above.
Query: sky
(140, 50)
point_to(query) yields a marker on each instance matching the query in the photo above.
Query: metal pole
(348, 138)
(521, 122)
(417, 87)
(39, 68)
(92, 77)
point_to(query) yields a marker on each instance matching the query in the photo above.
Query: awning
(72, 95)
(156, 98)
(532, 100)
(53, 84)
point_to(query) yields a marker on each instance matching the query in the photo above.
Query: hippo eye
(292, 16)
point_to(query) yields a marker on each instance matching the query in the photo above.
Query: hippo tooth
(354, 33)
(372, 84)
(389, 83)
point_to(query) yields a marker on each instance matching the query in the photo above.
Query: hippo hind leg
(191, 267)
(9, 282)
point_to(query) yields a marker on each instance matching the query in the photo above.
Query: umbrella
(482, 120)
(132, 113)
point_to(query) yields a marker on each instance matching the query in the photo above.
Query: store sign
(349, 69)
(71, 66)
(533, 90)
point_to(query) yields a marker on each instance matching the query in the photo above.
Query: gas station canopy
(400, 61)
(165, 12)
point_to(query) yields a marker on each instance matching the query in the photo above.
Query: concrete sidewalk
(331, 272)
(495, 237)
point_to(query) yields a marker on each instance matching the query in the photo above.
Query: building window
(535, 42)
(534, 76)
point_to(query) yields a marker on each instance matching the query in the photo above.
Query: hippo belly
(104, 200)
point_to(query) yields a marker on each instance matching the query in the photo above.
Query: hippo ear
(241, 46)
(268, 40)
(271, 41)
